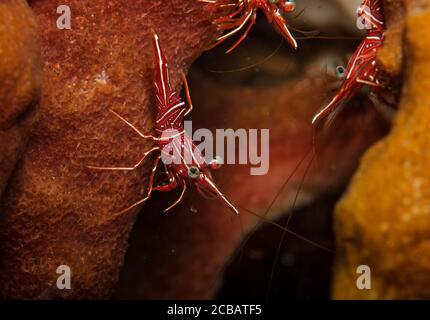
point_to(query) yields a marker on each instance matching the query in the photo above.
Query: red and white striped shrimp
(185, 165)
(245, 15)
(362, 68)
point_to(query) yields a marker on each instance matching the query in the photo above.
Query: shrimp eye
(216, 163)
(289, 5)
(194, 172)
(340, 72)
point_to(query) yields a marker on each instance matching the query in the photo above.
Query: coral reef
(55, 211)
(20, 81)
(391, 54)
(383, 221)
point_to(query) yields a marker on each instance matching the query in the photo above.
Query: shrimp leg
(184, 189)
(134, 128)
(149, 192)
(138, 164)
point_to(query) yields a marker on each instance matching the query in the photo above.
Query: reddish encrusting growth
(362, 68)
(245, 14)
(181, 159)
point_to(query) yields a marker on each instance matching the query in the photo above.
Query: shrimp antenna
(315, 34)
(295, 234)
(284, 232)
(287, 181)
(262, 61)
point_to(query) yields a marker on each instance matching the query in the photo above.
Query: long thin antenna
(266, 212)
(284, 232)
(295, 234)
(262, 61)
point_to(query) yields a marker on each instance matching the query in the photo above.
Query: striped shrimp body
(245, 14)
(183, 162)
(362, 68)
